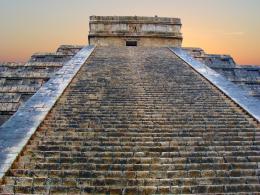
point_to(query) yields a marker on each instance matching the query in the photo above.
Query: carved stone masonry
(139, 31)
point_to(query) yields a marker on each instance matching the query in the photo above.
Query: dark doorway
(131, 43)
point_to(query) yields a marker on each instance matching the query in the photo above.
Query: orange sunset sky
(218, 26)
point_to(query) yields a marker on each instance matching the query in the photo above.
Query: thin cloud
(238, 33)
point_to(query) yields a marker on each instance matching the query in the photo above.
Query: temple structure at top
(134, 31)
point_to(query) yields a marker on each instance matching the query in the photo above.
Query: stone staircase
(140, 121)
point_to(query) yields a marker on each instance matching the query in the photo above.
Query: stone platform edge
(250, 104)
(17, 131)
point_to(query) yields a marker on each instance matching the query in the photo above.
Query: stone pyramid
(126, 117)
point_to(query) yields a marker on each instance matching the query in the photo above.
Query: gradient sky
(217, 26)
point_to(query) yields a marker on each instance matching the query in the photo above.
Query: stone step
(164, 139)
(199, 145)
(176, 142)
(149, 133)
(192, 157)
(146, 190)
(132, 174)
(84, 182)
(70, 158)
(150, 127)
(190, 149)
(179, 151)
(158, 133)
(146, 151)
(144, 165)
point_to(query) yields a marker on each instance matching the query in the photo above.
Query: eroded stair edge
(250, 104)
(16, 132)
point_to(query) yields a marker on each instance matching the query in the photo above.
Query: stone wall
(18, 81)
(143, 42)
(247, 77)
(146, 31)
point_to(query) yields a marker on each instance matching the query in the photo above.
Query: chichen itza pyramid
(132, 112)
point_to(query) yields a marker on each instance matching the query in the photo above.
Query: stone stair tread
(144, 165)
(117, 189)
(78, 173)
